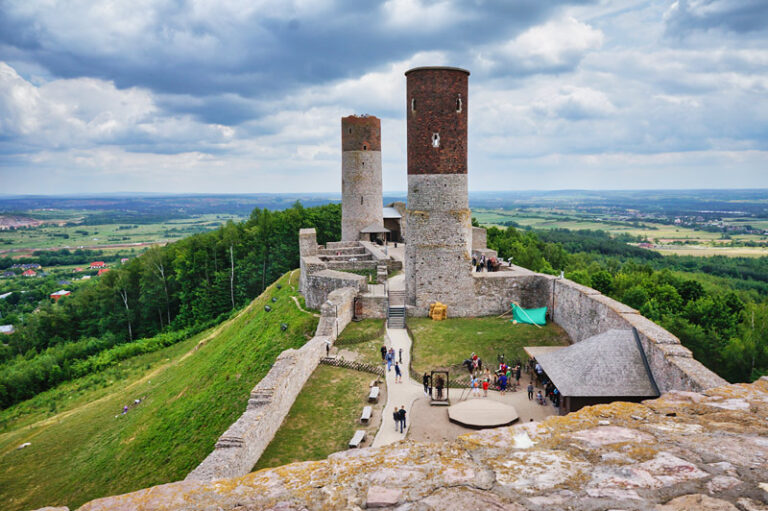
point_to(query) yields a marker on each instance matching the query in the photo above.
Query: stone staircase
(396, 310)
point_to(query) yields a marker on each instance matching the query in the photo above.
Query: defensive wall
(241, 446)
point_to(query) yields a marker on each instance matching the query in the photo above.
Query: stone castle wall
(241, 446)
(437, 250)
(361, 192)
(583, 312)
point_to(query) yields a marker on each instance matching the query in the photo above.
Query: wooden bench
(374, 395)
(357, 439)
(366, 416)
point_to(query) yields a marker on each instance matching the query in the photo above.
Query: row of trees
(716, 306)
(166, 289)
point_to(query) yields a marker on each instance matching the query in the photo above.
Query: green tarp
(529, 316)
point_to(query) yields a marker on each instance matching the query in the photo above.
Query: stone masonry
(684, 451)
(361, 188)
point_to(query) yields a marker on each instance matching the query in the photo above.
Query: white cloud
(574, 103)
(554, 46)
(420, 14)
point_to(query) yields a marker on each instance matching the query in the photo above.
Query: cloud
(236, 95)
(555, 46)
(684, 16)
(574, 103)
(87, 112)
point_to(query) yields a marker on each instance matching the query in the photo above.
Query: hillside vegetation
(83, 447)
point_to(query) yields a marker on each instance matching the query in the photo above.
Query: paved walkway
(398, 394)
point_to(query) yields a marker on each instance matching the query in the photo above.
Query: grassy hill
(83, 447)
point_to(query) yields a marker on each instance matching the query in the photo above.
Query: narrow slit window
(365, 147)
(435, 139)
(458, 104)
(350, 131)
(413, 104)
(361, 201)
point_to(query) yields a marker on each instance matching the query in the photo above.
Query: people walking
(503, 383)
(425, 382)
(383, 353)
(530, 391)
(398, 373)
(400, 355)
(401, 414)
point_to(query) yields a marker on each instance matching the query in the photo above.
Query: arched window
(458, 104)
(435, 139)
(413, 104)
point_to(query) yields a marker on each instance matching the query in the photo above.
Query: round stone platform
(482, 413)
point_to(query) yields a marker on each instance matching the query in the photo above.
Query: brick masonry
(437, 105)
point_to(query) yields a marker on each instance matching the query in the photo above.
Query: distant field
(92, 236)
(654, 232)
(715, 251)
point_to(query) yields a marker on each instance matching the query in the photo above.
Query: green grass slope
(191, 392)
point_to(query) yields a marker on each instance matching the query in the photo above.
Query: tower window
(413, 104)
(365, 147)
(350, 131)
(458, 104)
(435, 139)
(361, 200)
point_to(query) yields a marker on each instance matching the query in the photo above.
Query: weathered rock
(720, 484)
(697, 503)
(570, 463)
(466, 499)
(748, 504)
(50, 508)
(606, 435)
(378, 496)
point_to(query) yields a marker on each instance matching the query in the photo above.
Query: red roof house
(98, 264)
(29, 273)
(59, 294)
(102, 271)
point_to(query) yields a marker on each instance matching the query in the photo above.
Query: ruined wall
(681, 452)
(479, 238)
(239, 448)
(584, 312)
(308, 260)
(361, 186)
(322, 283)
(495, 291)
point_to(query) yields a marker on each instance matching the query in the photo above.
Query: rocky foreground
(683, 451)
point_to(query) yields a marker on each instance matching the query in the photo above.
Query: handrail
(645, 362)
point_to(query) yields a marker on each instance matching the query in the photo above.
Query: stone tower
(439, 235)
(361, 201)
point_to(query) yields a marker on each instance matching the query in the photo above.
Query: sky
(246, 96)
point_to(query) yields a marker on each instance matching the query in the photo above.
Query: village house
(59, 294)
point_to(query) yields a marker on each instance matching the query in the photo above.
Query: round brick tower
(361, 201)
(439, 234)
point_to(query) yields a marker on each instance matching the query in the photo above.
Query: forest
(717, 306)
(169, 291)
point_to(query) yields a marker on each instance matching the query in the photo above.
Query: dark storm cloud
(731, 15)
(261, 55)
